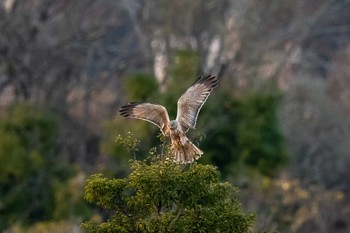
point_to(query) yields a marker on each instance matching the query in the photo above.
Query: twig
(162, 150)
(134, 154)
(176, 218)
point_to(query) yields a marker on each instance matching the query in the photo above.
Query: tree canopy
(161, 196)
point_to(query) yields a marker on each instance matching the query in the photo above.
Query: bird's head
(173, 125)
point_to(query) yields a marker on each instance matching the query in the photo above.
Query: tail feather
(186, 152)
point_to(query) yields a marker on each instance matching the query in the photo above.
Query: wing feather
(190, 103)
(153, 113)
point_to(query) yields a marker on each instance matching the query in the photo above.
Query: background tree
(34, 184)
(248, 131)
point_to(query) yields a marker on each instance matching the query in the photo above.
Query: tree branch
(176, 218)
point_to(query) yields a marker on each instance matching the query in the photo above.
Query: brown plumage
(188, 107)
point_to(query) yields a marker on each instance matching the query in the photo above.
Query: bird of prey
(188, 107)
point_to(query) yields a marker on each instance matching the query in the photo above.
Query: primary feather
(191, 102)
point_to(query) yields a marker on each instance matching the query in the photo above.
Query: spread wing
(190, 103)
(153, 113)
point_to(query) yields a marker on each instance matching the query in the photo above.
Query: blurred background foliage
(35, 184)
(277, 126)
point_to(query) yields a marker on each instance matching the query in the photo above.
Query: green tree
(140, 86)
(248, 131)
(182, 73)
(161, 196)
(259, 138)
(32, 178)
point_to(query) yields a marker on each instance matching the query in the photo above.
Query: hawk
(188, 107)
